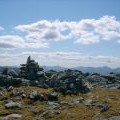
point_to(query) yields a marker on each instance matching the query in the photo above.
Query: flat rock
(12, 117)
(114, 118)
(12, 105)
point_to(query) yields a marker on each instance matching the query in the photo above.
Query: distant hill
(97, 69)
(56, 68)
(101, 70)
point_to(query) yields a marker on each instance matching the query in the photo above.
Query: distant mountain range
(85, 69)
(101, 70)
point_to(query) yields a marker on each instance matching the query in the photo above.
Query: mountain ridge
(102, 70)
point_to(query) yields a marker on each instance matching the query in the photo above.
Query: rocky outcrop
(6, 80)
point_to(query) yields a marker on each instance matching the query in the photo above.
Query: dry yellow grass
(75, 112)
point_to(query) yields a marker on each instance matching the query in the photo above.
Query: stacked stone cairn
(30, 69)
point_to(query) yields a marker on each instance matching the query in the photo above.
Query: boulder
(12, 72)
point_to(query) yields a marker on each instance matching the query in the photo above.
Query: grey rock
(114, 118)
(78, 100)
(34, 95)
(12, 72)
(55, 112)
(88, 102)
(12, 117)
(53, 96)
(10, 88)
(53, 103)
(104, 108)
(12, 105)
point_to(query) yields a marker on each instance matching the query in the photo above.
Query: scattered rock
(49, 113)
(10, 88)
(52, 103)
(44, 113)
(53, 96)
(98, 116)
(34, 95)
(55, 112)
(88, 102)
(103, 107)
(23, 95)
(78, 100)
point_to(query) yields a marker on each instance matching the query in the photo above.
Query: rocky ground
(98, 104)
(33, 94)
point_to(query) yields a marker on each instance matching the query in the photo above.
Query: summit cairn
(30, 69)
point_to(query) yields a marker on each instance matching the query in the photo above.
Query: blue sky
(68, 33)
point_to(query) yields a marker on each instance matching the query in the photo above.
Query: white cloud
(88, 38)
(15, 41)
(40, 34)
(85, 31)
(11, 41)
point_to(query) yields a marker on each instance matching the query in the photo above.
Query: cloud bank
(65, 59)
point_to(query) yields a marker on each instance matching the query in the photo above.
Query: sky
(66, 33)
